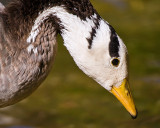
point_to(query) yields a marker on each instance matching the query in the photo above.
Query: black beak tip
(134, 117)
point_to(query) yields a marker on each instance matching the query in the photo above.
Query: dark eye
(115, 62)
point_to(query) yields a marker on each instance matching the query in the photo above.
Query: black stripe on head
(93, 32)
(114, 43)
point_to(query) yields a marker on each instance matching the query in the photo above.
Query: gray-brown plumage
(21, 72)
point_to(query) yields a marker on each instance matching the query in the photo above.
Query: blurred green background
(70, 99)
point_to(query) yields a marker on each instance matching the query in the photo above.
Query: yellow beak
(123, 94)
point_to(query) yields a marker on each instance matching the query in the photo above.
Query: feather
(1, 7)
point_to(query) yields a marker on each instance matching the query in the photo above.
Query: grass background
(69, 99)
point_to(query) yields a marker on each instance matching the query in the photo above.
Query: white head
(101, 62)
(97, 59)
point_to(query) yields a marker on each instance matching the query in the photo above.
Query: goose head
(106, 61)
(108, 69)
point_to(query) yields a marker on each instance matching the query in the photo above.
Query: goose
(28, 45)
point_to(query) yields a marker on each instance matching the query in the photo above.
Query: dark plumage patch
(56, 23)
(93, 32)
(80, 8)
(114, 43)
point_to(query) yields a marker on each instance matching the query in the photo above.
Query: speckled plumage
(21, 72)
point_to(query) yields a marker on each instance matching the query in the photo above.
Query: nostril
(126, 92)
